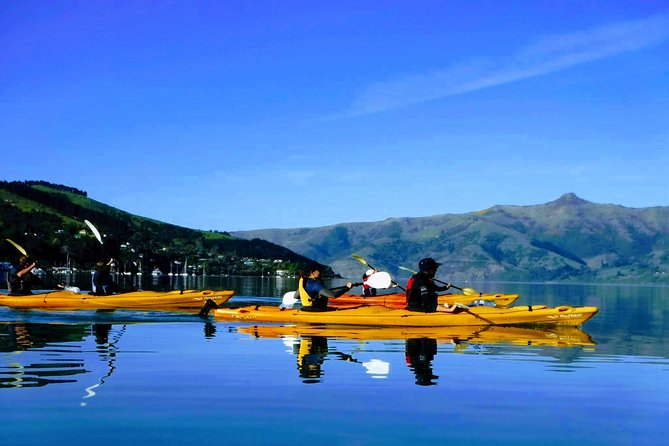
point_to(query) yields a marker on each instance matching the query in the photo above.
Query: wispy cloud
(545, 56)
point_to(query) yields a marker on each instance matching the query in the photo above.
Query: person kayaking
(422, 291)
(313, 294)
(367, 290)
(102, 281)
(21, 278)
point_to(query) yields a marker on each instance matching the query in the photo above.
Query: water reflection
(57, 363)
(39, 354)
(312, 351)
(419, 355)
(309, 343)
(557, 336)
(107, 351)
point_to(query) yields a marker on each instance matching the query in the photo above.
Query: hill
(569, 239)
(48, 220)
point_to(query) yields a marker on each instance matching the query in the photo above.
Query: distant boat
(156, 272)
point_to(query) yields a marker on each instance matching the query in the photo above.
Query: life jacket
(305, 298)
(408, 288)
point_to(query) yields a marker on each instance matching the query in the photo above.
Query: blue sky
(248, 115)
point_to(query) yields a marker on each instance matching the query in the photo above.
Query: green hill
(569, 239)
(48, 221)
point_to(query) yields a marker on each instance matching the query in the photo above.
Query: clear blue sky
(279, 114)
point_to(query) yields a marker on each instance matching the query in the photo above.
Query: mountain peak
(569, 198)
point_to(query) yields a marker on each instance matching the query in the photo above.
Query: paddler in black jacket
(422, 291)
(21, 278)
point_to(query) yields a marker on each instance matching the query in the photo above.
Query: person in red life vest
(366, 289)
(421, 291)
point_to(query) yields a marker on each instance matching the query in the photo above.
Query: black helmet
(428, 263)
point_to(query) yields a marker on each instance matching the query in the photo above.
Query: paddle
(364, 262)
(98, 236)
(208, 306)
(465, 308)
(465, 291)
(20, 249)
(376, 280)
(95, 231)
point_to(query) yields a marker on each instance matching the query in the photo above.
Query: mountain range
(569, 239)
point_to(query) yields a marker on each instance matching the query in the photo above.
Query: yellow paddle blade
(470, 292)
(18, 247)
(360, 259)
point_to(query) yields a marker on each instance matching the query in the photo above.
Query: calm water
(114, 378)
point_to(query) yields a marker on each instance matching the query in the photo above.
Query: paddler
(366, 289)
(313, 294)
(422, 291)
(20, 278)
(102, 282)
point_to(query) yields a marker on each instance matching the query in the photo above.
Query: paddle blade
(360, 259)
(289, 299)
(380, 280)
(94, 230)
(18, 247)
(470, 292)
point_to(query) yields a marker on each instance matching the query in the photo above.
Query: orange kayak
(376, 315)
(398, 300)
(190, 301)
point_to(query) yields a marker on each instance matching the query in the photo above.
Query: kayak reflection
(310, 344)
(558, 336)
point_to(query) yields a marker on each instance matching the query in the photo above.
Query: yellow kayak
(398, 300)
(377, 315)
(556, 336)
(184, 301)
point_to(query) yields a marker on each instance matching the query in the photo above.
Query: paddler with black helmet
(422, 291)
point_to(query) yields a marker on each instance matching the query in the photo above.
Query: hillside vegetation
(569, 239)
(48, 221)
